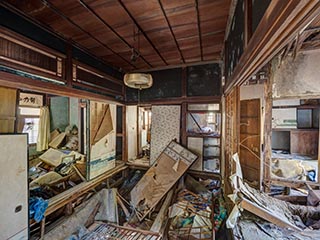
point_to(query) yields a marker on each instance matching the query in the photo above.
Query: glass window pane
(204, 123)
(204, 107)
(27, 111)
(31, 126)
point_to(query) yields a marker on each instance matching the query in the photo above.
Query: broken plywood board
(103, 138)
(172, 163)
(102, 156)
(100, 121)
(57, 141)
(165, 124)
(52, 157)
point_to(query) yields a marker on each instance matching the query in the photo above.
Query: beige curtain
(44, 129)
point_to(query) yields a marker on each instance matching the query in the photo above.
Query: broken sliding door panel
(172, 163)
(102, 138)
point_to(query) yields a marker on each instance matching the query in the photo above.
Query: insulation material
(293, 168)
(196, 145)
(165, 124)
(103, 135)
(297, 77)
(172, 163)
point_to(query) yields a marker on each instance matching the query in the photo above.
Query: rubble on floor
(175, 206)
(57, 169)
(257, 215)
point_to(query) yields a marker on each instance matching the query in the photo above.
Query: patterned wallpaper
(165, 126)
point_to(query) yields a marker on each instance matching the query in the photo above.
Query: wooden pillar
(267, 132)
(69, 66)
(124, 134)
(184, 113)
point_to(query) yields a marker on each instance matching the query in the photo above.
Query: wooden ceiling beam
(90, 10)
(199, 28)
(282, 21)
(141, 30)
(172, 33)
(58, 12)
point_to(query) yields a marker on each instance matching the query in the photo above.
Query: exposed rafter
(141, 30)
(53, 8)
(199, 28)
(172, 33)
(86, 6)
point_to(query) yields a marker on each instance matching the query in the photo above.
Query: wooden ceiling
(165, 32)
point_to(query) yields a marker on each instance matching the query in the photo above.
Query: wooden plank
(15, 81)
(8, 99)
(71, 194)
(304, 142)
(291, 183)
(266, 215)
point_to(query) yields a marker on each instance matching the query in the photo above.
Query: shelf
(208, 146)
(211, 157)
(201, 135)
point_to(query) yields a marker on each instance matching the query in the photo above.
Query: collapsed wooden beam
(266, 215)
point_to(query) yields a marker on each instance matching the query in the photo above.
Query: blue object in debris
(37, 208)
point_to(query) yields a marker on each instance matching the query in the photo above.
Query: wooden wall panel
(304, 142)
(20, 53)
(8, 100)
(250, 158)
(231, 134)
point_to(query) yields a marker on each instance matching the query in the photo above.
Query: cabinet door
(14, 187)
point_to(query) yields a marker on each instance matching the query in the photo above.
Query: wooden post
(184, 113)
(266, 160)
(124, 135)
(42, 227)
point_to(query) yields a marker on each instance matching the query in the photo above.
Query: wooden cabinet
(203, 130)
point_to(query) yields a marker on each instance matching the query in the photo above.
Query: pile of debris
(266, 217)
(164, 203)
(55, 170)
